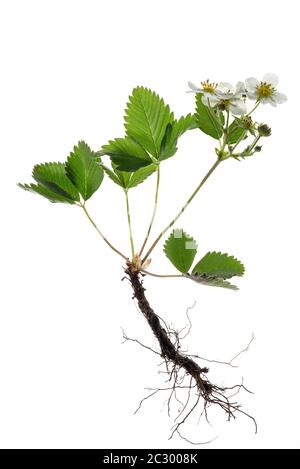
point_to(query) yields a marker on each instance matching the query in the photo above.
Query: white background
(67, 68)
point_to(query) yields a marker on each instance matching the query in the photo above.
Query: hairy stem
(100, 233)
(256, 140)
(161, 275)
(255, 107)
(240, 139)
(129, 224)
(154, 211)
(208, 174)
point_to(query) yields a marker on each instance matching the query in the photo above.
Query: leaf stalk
(129, 224)
(208, 174)
(101, 234)
(154, 210)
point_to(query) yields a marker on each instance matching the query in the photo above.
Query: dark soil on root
(170, 352)
(168, 349)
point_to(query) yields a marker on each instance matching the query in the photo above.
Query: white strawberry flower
(265, 91)
(232, 98)
(208, 90)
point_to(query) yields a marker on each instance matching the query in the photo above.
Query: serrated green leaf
(124, 177)
(216, 265)
(47, 193)
(220, 283)
(194, 124)
(53, 176)
(140, 175)
(83, 170)
(180, 248)
(174, 130)
(114, 175)
(235, 132)
(127, 154)
(98, 154)
(146, 119)
(212, 282)
(206, 119)
(128, 180)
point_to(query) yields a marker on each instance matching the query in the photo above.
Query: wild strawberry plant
(151, 136)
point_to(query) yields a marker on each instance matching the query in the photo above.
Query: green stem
(239, 141)
(225, 135)
(100, 233)
(129, 224)
(212, 169)
(255, 107)
(154, 210)
(227, 120)
(161, 275)
(256, 140)
(243, 134)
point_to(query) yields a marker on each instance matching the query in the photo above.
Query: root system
(184, 373)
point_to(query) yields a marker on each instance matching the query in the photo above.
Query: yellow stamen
(265, 90)
(209, 87)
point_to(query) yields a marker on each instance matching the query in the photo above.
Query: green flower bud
(258, 148)
(246, 123)
(246, 151)
(264, 130)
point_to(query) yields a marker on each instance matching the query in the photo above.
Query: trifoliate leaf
(180, 248)
(127, 154)
(215, 265)
(53, 176)
(207, 120)
(83, 170)
(47, 193)
(235, 132)
(174, 130)
(146, 119)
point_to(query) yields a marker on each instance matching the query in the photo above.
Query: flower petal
(252, 95)
(213, 99)
(251, 83)
(279, 98)
(193, 87)
(271, 79)
(204, 100)
(209, 100)
(226, 87)
(273, 102)
(225, 96)
(238, 108)
(268, 100)
(240, 88)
